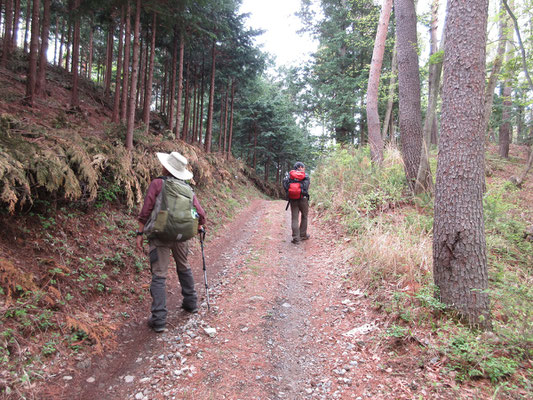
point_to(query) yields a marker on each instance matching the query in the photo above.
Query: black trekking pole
(287, 207)
(202, 238)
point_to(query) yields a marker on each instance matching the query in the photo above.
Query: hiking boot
(295, 240)
(154, 327)
(305, 237)
(191, 310)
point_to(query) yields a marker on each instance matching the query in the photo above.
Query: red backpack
(295, 185)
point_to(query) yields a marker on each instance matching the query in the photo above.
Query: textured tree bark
(390, 101)
(459, 249)
(180, 84)
(8, 30)
(148, 89)
(115, 117)
(134, 74)
(409, 88)
(209, 125)
(126, 66)
(75, 100)
(32, 63)
(109, 57)
(374, 135)
(40, 87)
(424, 179)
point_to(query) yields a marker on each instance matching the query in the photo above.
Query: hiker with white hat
(170, 216)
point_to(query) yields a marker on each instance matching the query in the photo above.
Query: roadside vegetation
(389, 237)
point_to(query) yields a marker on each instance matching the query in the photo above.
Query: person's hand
(139, 243)
(201, 229)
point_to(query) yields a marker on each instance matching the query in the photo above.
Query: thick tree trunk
(228, 153)
(459, 249)
(40, 88)
(209, 125)
(180, 84)
(115, 117)
(173, 84)
(126, 66)
(134, 75)
(372, 115)
(148, 89)
(16, 19)
(390, 98)
(8, 31)
(424, 179)
(75, 100)
(409, 88)
(34, 48)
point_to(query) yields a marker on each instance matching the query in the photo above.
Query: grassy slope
(69, 193)
(390, 236)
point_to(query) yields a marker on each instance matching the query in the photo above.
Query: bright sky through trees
(277, 18)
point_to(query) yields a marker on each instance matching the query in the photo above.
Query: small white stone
(91, 379)
(286, 305)
(211, 332)
(129, 378)
(139, 396)
(67, 378)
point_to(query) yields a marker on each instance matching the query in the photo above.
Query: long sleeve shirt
(149, 202)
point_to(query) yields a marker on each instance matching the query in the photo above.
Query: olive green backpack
(174, 218)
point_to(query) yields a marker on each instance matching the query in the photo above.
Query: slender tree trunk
(75, 101)
(180, 84)
(148, 90)
(187, 111)
(1, 6)
(40, 88)
(459, 249)
(202, 96)
(228, 154)
(61, 44)
(409, 88)
(164, 90)
(519, 180)
(34, 48)
(109, 57)
(424, 179)
(209, 126)
(255, 148)
(115, 117)
(126, 66)
(390, 98)
(68, 44)
(173, 83)
(16, 24)
(221, 123)
(195, 107)
(134, 74)
(142, 62)
(226, 106)
(506, 129)
(8, 30)
(27, 26)
(372, 115)
(91, 53)
(56, 36)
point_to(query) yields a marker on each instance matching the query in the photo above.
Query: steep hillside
(70, 277)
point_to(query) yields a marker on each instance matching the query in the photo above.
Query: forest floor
(284, 323)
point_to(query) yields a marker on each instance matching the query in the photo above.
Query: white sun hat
(176, 164)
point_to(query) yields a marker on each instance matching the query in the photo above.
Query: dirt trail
(284, 317)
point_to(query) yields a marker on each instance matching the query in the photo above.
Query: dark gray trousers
(299, 227)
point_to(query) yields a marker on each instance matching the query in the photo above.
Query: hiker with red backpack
(170, 216)
(296, 185)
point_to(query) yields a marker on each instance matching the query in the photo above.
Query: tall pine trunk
(61, 44)
(148, 89)
(75, 100)
(34, 48)
(228, 153)
(180, 84)
(459, 249)
(90, 52)
(390, 97)
(115, 117)
(209, 126)
(27, 26)
(16, 19)
(409, 88)
(134, 75)
(8, 31)
(40, 88)
(109, 56)
(372, 115)
(173, 83)
(126, 66)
